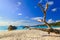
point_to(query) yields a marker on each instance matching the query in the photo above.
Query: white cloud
(4, 23)
(26, 17)
(40, 1)
(19, 3)
(19, 14)
(57, 20)
(1, 17)
(50, 21)
(54, 9)
(37, 18)
(35, 6)
(24, 22)
(50, 2)
(18, 23)
(17, 8)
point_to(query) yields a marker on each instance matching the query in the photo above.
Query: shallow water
(4, 28)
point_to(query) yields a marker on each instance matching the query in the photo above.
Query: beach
(28, 35)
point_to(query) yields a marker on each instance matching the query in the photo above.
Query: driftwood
(44, 10)
(56, 31)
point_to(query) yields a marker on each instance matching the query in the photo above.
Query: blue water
(21, 27)
(6, 28)
(47, 27)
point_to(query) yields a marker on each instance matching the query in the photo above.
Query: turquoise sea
(3, 28)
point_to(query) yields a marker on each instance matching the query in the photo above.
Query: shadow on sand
(50, 35)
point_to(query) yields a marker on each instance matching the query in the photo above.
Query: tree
(44, 10)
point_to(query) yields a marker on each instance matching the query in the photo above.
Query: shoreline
(28, 35)
(28, 29)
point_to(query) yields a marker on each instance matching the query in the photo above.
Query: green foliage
(55, 24)
(52, 24)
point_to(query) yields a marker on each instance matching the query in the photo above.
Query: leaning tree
(44, 10)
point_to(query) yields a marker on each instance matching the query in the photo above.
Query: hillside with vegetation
(55, 24)
(52, 24)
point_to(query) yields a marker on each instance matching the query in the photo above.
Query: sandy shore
(28, 35)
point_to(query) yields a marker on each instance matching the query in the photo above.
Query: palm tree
(44, 10)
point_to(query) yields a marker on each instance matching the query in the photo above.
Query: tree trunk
(44, 19)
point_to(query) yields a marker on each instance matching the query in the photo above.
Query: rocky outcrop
(12, 27)
(26, 27)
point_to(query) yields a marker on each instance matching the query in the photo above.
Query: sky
(26, 12)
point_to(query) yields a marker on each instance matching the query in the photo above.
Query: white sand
(28, 35)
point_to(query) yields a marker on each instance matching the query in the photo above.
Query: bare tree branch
(40, 5)
(44, 11)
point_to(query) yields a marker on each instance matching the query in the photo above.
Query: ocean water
(3, 28)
